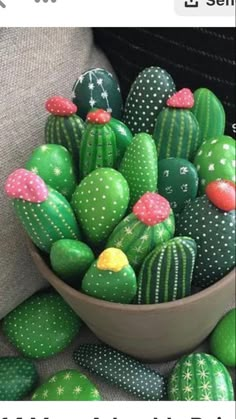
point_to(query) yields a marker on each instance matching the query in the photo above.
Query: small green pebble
(223, 340)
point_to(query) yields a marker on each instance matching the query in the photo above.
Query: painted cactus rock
(53, 163)
(177, 182)
(222, 193)
(100, 202)
(124, 372)
(139, 167)
(209, 112)
(151, 223)
(215, 160)
(98, 145)
(223, 339)
(67, 385)
(71, 259)
(18, 377)
(214, 232)
(111, 278)
(63, 126)
(166, 273)
(42, 326)
(44, 213)
(97, 88)
(200, 377)
(123, 138)
(147, 97)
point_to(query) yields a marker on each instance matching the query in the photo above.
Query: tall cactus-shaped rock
(166, 273)
(98, 145)
(44, 213)
(150, 223)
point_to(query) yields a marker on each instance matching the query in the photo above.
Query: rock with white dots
(215, 160)
(150, 224)
(139, 166)
(45, 214)
(214, 232)
(166, 273)
(111, 278)
(200, 377)
(53, 163)
(123, 138)
(67, 385)
(223, 339)
(147, 97)
(122, 371)
(97, 88)
(18, 377)
(100, 202)
(42, 326)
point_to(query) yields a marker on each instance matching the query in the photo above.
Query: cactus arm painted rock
(223, 339)
(123, 138)
(166, 273)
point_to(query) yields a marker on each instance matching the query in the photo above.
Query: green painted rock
(63, 126)
(111, 278)
(209, 112)
(177, 182)
(214, 232)
(100, 202)
(139, 167)
(97, 88)
(215, 160)
(98, 145)
(147, 97)
(45, 214)
(42, 326)
(200, 377)
(123, 137)
(67, 385)
(122, 371)
(166, 274)
(151, 223)
(18, 377)
(70, 259)
(54, 165)
(223, 340)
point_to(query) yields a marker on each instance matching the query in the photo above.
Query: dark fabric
(195, 57)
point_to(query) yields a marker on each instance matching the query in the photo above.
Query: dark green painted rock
(18, 377)
(215, 160)
(176, 134)
(214, 232)
(42, 326)
(70, 259)
(200, 377)
(53, 163)
(123, 138)
(177, 182)
(122, 371)
(166, 274)
(100, 202)
(67, 385)
(223, 340)
(209, 112)
(139, 167)
(111, 278)
(147, 97)
(97, 88)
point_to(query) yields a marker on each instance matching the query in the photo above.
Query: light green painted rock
(123, 137)
(223, 340)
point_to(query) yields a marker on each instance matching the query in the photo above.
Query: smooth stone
(223, 340)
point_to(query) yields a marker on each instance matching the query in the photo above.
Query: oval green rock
(223, 339)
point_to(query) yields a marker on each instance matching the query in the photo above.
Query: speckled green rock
(53, 163)
(200, 377)
(223, 340)
(42, 326)
(18, 377)
(70, 259)
(67, 385)
(215, 160)
(123, 138)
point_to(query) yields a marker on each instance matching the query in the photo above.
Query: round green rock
(70, 259)
(200, 377)
(18, 377)
(123, 137)
(53, 163)
(42, 326)
(223, 340)
(67, 385)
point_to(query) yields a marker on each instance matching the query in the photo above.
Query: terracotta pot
(152, 333)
